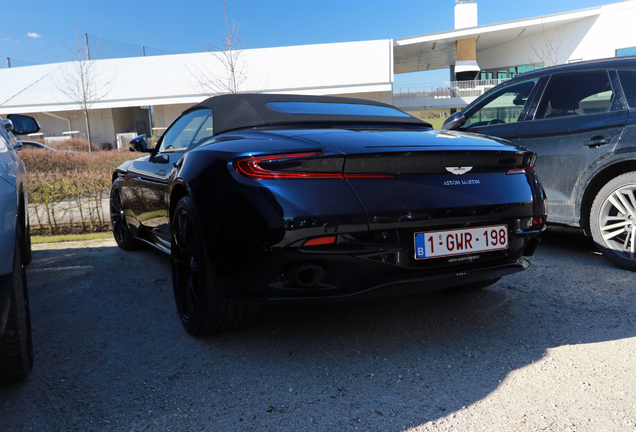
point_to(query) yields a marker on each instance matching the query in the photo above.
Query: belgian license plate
(436, 244)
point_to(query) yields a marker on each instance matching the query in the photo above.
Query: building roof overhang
(438, 50)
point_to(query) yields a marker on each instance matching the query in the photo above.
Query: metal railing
(466, 90)
(123, 139)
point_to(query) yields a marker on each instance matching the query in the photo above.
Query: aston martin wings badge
(458, 170)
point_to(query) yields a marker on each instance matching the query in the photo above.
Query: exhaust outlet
(305, 275)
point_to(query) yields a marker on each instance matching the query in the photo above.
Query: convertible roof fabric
(244, 110)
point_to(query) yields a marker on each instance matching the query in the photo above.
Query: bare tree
(81, 80)
(548, 52)
(229, 55)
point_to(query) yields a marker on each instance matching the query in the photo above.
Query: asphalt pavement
(551, 348)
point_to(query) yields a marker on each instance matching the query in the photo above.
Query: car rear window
(335, 109)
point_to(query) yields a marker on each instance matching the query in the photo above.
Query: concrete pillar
(466, 67)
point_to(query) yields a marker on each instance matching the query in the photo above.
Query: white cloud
(34, 35)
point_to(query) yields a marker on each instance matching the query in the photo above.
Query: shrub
(72, 144)
(63, 185)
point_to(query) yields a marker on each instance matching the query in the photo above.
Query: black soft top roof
(236, 111)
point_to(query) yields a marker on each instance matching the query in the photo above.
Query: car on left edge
(16, 346)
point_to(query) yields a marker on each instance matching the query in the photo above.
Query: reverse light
(537, 222)
(531, 224)
(521, 171)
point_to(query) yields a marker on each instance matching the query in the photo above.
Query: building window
(623, 52)
(506, 74)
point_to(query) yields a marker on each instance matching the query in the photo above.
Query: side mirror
(139, 144)
(520, 100)
(455, 121)
(8, 126)
(23, 124)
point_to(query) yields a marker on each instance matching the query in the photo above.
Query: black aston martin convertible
(279, 198)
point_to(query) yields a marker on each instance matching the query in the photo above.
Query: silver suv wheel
(613, 221)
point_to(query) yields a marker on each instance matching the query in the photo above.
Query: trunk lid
(436, 175)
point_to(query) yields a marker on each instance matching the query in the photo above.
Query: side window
(205, 132)
(628, 82)
(180, 134)
(577, 93)
(502, 106)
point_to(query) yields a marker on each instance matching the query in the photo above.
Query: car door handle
(597, 141)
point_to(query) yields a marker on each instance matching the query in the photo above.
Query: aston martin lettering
(461, 182)
(458, 170)
(463, 259)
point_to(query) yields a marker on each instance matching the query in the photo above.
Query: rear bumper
(372, 271)
(390, 287)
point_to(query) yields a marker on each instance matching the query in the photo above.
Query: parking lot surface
(551, 348)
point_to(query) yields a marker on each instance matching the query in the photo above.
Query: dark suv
(580, 119)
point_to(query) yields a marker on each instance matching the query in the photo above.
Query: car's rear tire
(200, 305)
(124, 238)
(613, 221)
(16, 344)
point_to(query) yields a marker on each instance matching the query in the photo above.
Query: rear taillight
(521, 171)
(253, 167)
(298, 166)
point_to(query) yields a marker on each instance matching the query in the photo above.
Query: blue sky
(45, 28)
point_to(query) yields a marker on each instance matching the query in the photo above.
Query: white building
(133, 88)
(506, 49)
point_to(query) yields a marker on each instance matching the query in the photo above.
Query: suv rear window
(571, 94)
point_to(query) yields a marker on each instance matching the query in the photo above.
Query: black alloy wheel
(186, 272)
(200, 305)
(118, 223)
(16, 343)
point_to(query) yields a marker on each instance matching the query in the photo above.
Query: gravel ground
(551, 348)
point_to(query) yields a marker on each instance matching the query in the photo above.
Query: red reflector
(521, 171)
(321, 241)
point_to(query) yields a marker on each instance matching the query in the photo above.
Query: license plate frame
(460, 241)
